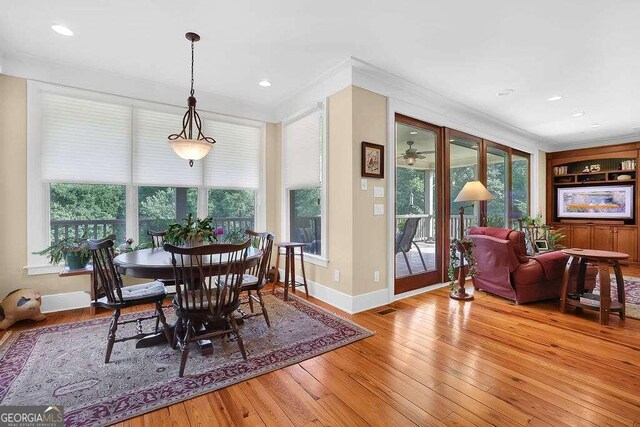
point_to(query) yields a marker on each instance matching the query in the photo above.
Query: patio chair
(404, 240)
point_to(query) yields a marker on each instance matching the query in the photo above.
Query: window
(305, 218)
(232, 209)
(158, 207)
(304, 182)
(100, 165)
(90, 210)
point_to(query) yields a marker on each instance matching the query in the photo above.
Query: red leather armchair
(505, 269)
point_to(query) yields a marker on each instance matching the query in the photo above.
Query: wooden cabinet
(625, 239)
(580, 236)
(617, 238)
(602, 238)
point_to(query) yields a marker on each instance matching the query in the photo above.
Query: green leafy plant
(554, 236)
(467, 246)
(69, 246)
(191, 232)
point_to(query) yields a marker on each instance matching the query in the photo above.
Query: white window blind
(85, 141)
(154, 162)
(234, 161)
(302, 148)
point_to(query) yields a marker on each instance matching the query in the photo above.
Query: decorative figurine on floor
(19, 305)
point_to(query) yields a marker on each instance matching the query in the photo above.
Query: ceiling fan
(412, 154)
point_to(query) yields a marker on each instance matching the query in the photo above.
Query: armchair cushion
(553, 264)
(516, 238)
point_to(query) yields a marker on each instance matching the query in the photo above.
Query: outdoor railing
(426, 231)
(100, 228)
(307, 229)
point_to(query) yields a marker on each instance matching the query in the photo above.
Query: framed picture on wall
(372, 160)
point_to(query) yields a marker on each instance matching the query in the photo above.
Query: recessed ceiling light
(264, 83)
(595, 125)
(580, 114)
(505, 92)
(61, 29)
(413, 132)
(554, 98)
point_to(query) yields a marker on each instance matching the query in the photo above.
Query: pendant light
(191, 144)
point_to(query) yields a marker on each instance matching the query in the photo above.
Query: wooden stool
(289, 267)
(604, 260)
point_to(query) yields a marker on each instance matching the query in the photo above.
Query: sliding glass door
(464, 166)
(418, 246)
(497, 161)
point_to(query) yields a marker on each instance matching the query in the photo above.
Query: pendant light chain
(192, 55)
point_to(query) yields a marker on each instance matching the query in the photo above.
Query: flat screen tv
(599, 202)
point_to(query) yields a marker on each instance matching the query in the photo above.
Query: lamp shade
(474, 191)
(190, 149)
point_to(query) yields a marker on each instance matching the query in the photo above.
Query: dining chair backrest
(264, 242)
(157, 238)
(208, 278)
(106, 279)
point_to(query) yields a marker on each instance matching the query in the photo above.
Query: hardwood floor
(437, 361)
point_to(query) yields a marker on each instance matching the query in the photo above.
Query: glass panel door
(519, 187)
(497, 184)
(417, 237)
(464, 166)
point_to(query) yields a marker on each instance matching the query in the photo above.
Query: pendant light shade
(191, 144)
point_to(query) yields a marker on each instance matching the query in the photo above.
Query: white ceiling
(466, 50)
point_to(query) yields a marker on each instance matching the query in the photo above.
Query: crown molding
(31, 68)
(597, 142)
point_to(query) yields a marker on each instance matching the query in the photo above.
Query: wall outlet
(364, 184)
(378, 209)
(336, 275)
(376, 276)
(378, 191)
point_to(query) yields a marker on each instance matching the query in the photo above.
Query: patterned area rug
(632, 294)
(63, 364)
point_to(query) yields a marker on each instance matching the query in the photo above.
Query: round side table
(604, 260)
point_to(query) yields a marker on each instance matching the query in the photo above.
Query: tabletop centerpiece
(192, 232)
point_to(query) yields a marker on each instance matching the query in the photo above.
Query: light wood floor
(437, 361)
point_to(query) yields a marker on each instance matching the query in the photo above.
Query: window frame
(38, 195)
(321, 260)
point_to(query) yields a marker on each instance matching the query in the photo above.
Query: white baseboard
(342, 301)
(66, 301)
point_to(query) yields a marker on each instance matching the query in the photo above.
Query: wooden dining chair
(157, 238)
(256, 276)
(110, 293)
(208, 280)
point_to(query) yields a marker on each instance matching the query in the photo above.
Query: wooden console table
(604, 260)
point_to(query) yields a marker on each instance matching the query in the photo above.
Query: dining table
(156, 264)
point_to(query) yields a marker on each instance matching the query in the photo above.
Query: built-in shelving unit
(593, 167)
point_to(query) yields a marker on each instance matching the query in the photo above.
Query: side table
(289, 267)
(604, 260)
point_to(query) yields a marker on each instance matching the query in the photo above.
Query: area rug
(632, 294)
(64, 365)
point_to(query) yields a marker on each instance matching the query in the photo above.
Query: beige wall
(13, 197)
(357, 241)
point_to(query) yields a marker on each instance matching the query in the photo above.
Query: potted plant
(73, 250)
(192, 233)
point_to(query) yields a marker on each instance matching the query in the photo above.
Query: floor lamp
(473, 191)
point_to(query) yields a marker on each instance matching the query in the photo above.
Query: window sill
(316, 260)
(35, 270)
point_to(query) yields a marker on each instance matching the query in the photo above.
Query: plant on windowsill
(454, 259)
(192, 233)
(73, 250)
